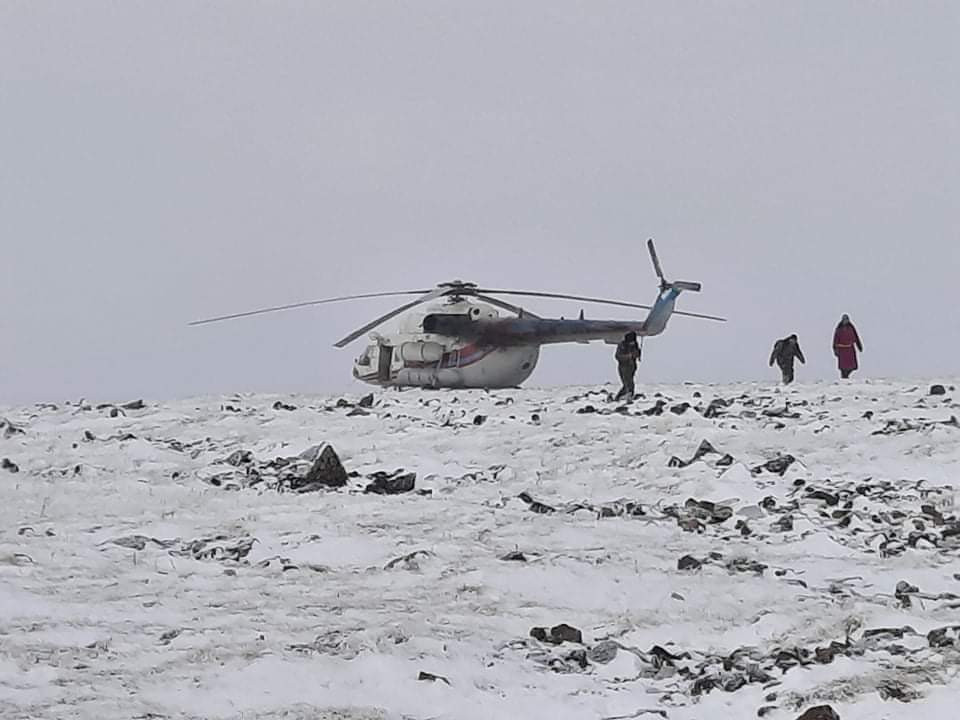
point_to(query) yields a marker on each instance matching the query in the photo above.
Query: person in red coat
(846, 343)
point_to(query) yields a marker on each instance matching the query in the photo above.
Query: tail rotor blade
(656, 261)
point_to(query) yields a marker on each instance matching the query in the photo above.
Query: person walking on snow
(627, 355)
(785, 351)
(846, 343)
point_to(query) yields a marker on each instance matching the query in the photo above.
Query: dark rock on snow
(391, 483)
(820, 712)
(557, 634)
(938, 390)
(8, 464)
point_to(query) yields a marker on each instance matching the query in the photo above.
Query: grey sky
(161, 162)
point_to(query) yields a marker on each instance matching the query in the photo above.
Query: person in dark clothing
(785, 351)
(627, 355)
(846, 343)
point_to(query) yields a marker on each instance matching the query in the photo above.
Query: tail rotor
(664, 283)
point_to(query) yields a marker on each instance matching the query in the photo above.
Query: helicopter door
(385, 360)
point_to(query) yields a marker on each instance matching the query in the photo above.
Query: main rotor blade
(502, 304)
(600, 301)
(656, 261)
(431, 295)
(277, 308)
(563, 296)
(699, 315)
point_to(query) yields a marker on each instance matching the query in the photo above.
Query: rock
(280, 405)
(8, 464)
(725, 461)
(784, 524)
(688, 562)
(745, 565)
(357, 412)
(603, 652)
(557, 634)
(430, 677)
(9, 429)
(479, 419)
(778, 465)
(903, 592)
(938, 390)
(944, 637)
(514, 555)
(586, 410)
(325, 470)
(134, 405)
(391, 484)
(366, 401)
(535, 505)
(657, 409)
(680, 408)
(239, 457)
(820, 712)
(716, 407)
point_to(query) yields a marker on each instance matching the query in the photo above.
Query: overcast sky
(162, 162)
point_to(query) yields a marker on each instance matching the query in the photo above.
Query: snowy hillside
(159, 561)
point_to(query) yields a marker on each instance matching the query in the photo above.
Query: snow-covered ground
(133, 587)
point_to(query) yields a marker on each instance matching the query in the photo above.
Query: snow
(343, 598)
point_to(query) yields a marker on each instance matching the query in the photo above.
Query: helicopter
(454, 336)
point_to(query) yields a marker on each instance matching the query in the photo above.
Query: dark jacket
(628, 353)
(785, 351)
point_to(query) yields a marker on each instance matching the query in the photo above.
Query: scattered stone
(944, 637)
(903, 592)
(169, 635)
(479, 419)
(745, 565)
(391, 483)
(778, 465)
(680, 408)
(8, 464)
(820, 712)
(603, 652)
(409, 561)
(218, 547)
(134, 405)
(557, 634)
(657, 409)
(9, 429)
(688, 562)
(325, 470)
(430, 677)
(938, 390)
(586, 410)
(366, 401)
(357, 412)
(280, 405)
(514, 555)
(535, 505)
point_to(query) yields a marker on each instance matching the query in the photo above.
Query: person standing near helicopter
(627, 356)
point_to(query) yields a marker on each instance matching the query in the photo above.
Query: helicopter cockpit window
(364, 358)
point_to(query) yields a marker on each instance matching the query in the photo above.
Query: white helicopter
(456, 342)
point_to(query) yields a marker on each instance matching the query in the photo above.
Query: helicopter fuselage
(414, 357)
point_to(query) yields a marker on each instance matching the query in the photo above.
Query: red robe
(846, 342)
